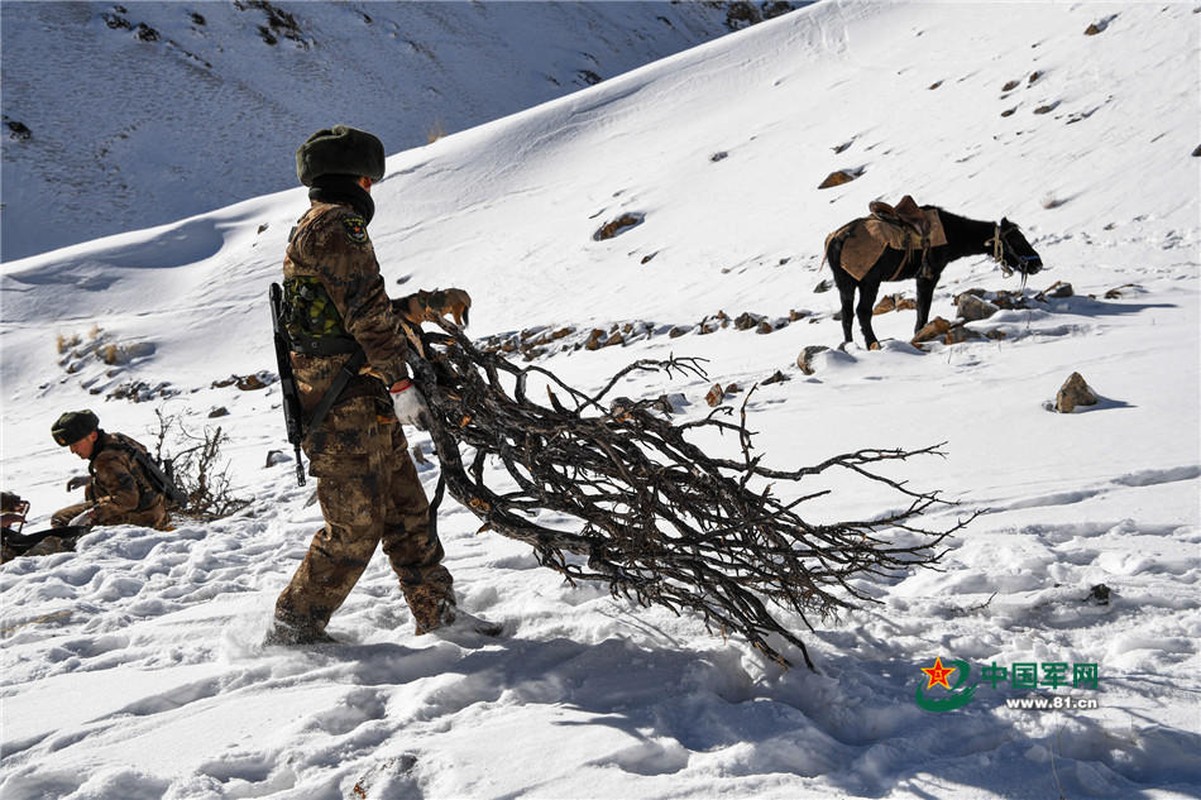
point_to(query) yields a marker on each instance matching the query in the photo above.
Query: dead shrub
(196, 466)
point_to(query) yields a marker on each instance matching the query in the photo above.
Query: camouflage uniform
(119, 490)
(367, 485)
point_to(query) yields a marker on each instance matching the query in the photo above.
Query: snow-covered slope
(132, 668)
(141, 113)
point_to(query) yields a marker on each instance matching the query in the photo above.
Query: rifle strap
(155, 479)
(160, 479)
(348, 371)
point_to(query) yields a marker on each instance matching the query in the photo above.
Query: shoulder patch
(356, 228)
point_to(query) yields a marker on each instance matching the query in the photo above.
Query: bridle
(1000, 248)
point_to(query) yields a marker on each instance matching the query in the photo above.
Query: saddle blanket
(865, 239)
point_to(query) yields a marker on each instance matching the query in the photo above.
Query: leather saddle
(906, 214)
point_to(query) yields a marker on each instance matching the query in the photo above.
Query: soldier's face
(84, 447)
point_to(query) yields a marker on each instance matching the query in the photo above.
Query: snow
(133, 668)
(128, 131)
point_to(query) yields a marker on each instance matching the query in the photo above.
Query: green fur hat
(73, 426)
(340, 150)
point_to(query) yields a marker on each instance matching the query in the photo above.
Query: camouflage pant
(154, 517)
(62, 518)
(367, 497)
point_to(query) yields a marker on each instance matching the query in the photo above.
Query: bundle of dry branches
(646, 510)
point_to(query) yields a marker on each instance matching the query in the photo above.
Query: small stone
(1074, 392)
(838, 178)
(715, 395)
(804, 361)
(973, 308)
(1058, 290)
(933, 329)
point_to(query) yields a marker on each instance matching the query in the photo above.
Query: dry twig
(635, 504)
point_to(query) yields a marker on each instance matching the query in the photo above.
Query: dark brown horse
(963, 237)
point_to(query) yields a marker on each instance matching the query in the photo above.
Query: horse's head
(1013, 251)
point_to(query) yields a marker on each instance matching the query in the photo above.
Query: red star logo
(937, 674)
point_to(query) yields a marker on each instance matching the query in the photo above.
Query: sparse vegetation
(279, 24)
(89, 355)
(193, 461)
(65, 342)
(435, 132)
(98, 344)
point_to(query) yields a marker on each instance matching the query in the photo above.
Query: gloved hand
(85, 519)
(77, 481)
(409, 405)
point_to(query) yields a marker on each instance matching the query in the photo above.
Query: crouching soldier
(119, 490)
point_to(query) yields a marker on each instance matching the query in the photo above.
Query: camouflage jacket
(330, 244)
(119, 487)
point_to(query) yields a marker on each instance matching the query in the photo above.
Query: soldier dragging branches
(649, 512)
(342, 359)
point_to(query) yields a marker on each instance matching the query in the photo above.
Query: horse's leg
(846, 292)
(925, 297)
(846, 288)
(868, 289)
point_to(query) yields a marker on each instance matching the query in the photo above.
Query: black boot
(284, 634)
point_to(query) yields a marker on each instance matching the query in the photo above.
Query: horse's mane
(944, 215)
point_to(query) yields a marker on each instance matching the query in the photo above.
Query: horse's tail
(834, 244)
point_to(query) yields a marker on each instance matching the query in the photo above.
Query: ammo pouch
(311, 326)
(312, 321)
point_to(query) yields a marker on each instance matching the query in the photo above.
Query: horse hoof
(874, 346)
